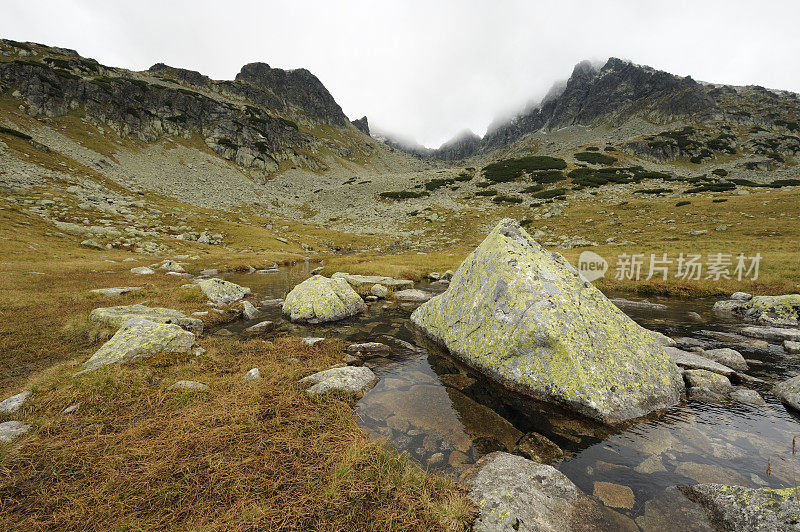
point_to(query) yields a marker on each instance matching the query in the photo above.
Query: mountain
(264, 120)
(459, 147)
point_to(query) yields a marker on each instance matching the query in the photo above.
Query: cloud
(427, 69)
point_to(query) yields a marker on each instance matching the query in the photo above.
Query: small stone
(707, 379)
(368, 348)
(142, 270)
(351, 360)
(347, 379)
(412, 294)
(114, 292)
(71, 409)
(11, 430)
(14, 403)
(188, 385)
(747, 396)
(379, 291)
(310, 340)
(172, 266)
(252, 375)
(791, 347)
(726, 356)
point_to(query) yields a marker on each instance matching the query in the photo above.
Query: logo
(592, 266)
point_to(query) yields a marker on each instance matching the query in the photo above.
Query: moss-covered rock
(320, 299)
(740, 508)
(140, 338)
(782, 311)
(117, 316)
(220, 291)
(526, 318)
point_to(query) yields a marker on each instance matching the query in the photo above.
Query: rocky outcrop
(140, 338)
(459, 147)
(118, 316)
(362, 124)
(167, 101)
(526, 318)
(320, 299)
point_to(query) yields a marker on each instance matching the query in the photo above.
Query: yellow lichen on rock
(320, 299)
(526, 318)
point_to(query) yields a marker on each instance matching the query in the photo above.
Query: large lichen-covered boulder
(140, 338)
(118, 316)
(526, 318)
(781, 311)
(221, 291)
(358, 281)
(319, 299)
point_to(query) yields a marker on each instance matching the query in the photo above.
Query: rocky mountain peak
(362, 124)
(460, 146)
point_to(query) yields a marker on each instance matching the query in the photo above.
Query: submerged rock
(526, 318)
(320, 299)
(118, 316)
(412, 294)
(539, 448)
(773, 334)
(220, 291)
(140, 338)
(740, 508)
(781, 311)
(348, 379)
(14, 403)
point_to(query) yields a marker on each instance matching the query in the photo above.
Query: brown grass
(240, 456)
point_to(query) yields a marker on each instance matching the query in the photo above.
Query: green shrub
(653, 191)
(433, 184)
(484, 184)
(682, 203)
(595, 158)
(592, 148)
(547, 176)
(525, 222)
(533, 188)
(507, 199)
(785, 183)
(711, 187)
(719, 200)
(464, 176)
(487, 192)
(609, 148)
(228, 143)
(402, 194)
(720, 172)
(510, 169)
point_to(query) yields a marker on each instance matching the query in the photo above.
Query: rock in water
(780, 311)
(740, 508)
(526, 318)
(788, 392)
(118, 316)
(220, 291)
(139, 338)
(348, 379)
(320, 299)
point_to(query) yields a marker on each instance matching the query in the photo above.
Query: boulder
(357, 380)
(11, 430)
(740, 508)
(747, 396)
(788, 392)
(526, 318)
(513, 493)
(222, 292)
(172, 266)
(727, 357)
(772, 334)
(320, 299)
(14, 403)
(140, 338)
(368, 348)
(780, 311)
(118, 316)
(539, 448)
(791, 347)
(379, 291)
(142, 270)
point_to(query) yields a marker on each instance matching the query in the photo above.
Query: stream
(446, 416)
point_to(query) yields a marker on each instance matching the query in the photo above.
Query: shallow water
(447, 416)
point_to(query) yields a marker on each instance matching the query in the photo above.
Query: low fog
(427, 70)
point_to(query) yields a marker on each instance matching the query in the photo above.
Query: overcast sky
(427, 69)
